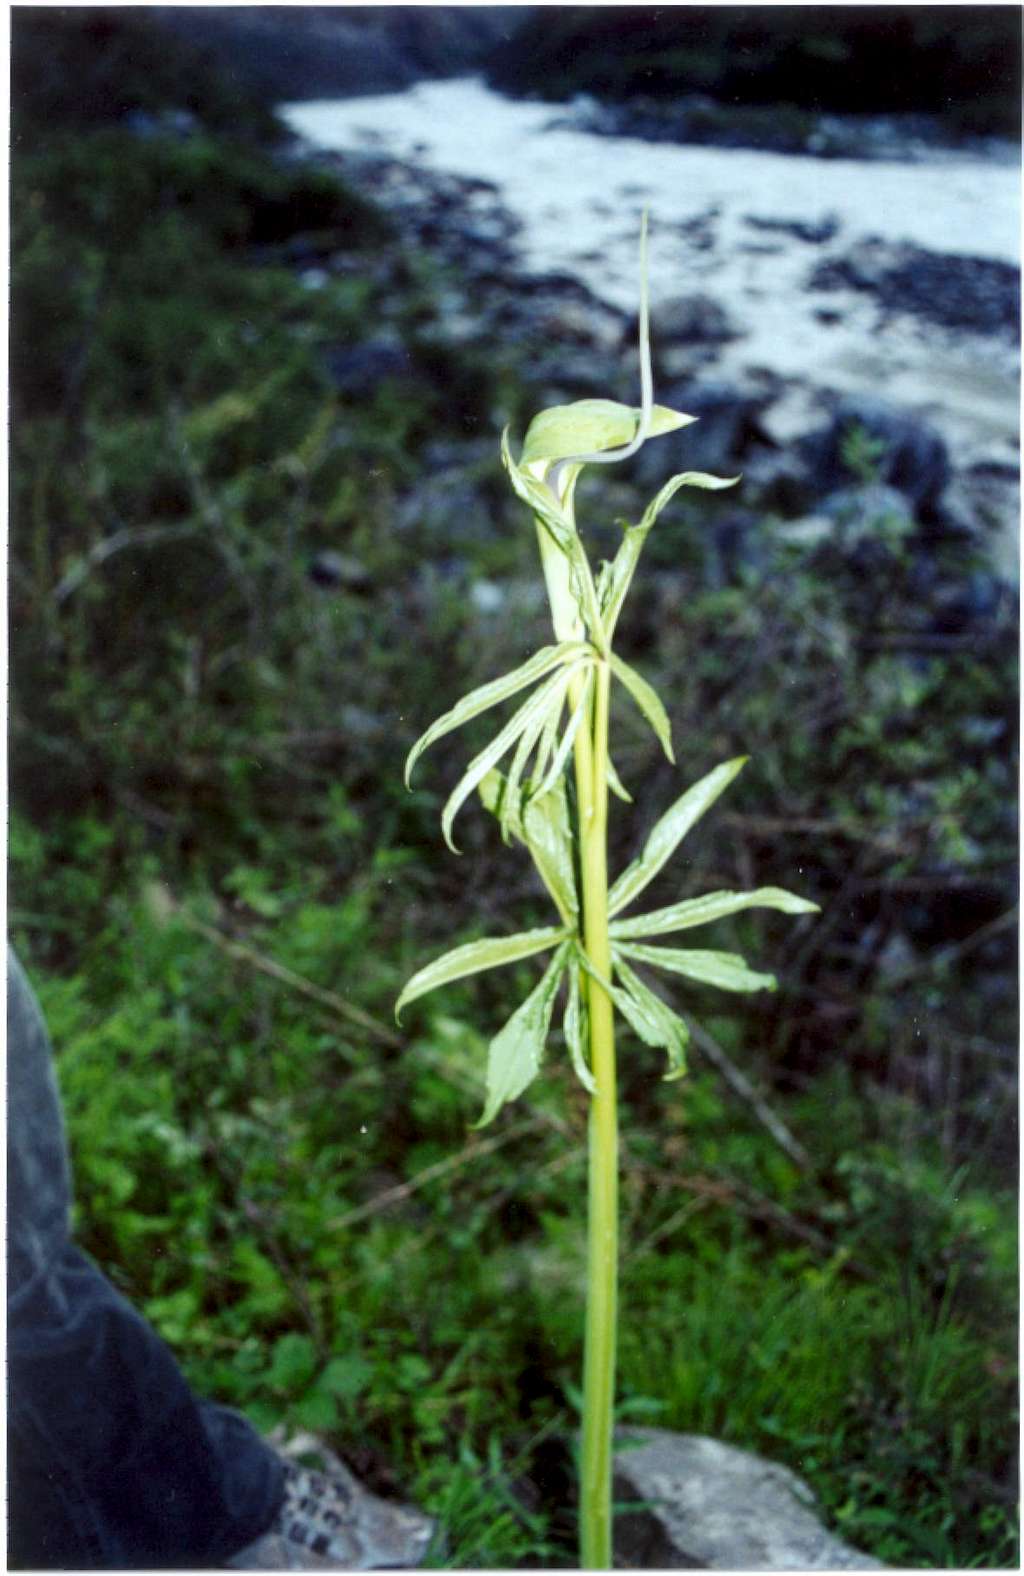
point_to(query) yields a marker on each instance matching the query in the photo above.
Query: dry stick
(403, 1190)
(741, 1085)
(163, 901)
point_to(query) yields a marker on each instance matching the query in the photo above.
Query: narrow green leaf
(524, 749)
(653, 1019)
(669, 832)
(727, 970)
(561, 755)
(648, 701)
(548, 694)
(684, 479)
(702, 910)
(543, 826)
(575, 1026)
(491, 952)
(616, 785)
(617, 576)
(548, 836)
(515, 1053)
(490, 694)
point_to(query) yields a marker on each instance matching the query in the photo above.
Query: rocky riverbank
(906, 435)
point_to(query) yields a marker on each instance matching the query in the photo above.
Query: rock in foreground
(713, 1507)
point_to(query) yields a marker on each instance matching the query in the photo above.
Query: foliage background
(218, 883)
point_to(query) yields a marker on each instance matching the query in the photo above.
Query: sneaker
(329, 1522)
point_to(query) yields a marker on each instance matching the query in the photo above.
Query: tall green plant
(592, 948)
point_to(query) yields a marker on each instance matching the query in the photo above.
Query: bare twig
(740, 1084)
(128, 536)
(163, 905)
(404, 1190)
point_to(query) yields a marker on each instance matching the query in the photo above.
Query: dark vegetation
(960, 63)
(222, 646)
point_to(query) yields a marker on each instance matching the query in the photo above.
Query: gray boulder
(710, 1506)
(883, 443)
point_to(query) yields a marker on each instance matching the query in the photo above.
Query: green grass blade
(726, 970)
(669, 832)
(702, 910)
(514, 1057)
(491, 952)
(647, 699)
(492, 693)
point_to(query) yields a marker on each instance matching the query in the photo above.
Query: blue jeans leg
(114, 1463)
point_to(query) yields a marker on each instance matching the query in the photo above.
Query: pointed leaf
(551, 514)
(617, 576)
(543, 826)
(616, 785)
(548, 695)
(491, 952)
(727, 970)
(669, 832)
(576, 1037)
(648, 701)
(554, 772)
(480, 700)
(547, 834)
(528, 740)
(515, 1053)
(702, 910)
(653, 1019)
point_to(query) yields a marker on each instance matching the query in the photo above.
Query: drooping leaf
(652, 1019)
(548, 836)
(542, 824)
(648, 701)
(490, 952)
(727, 970)
(575, 1026)
(528, 742)
(572, 727)
(669, 832)
(515, 1053)
(591, 426)
(492, 693)
(702, 910)
(547, 696)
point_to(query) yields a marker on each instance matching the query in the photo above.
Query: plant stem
(602, 1233)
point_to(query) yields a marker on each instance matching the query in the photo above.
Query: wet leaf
(652, 1019)
(492, 693)
(547, 697)
(515, 1053)
(576, 1033)
(726, 970)
(702, 910)
(669, 832)
(490, 952)
(647, 699)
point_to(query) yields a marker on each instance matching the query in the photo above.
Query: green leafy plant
(593, 949)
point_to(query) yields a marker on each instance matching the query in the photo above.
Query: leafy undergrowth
(219, 886)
